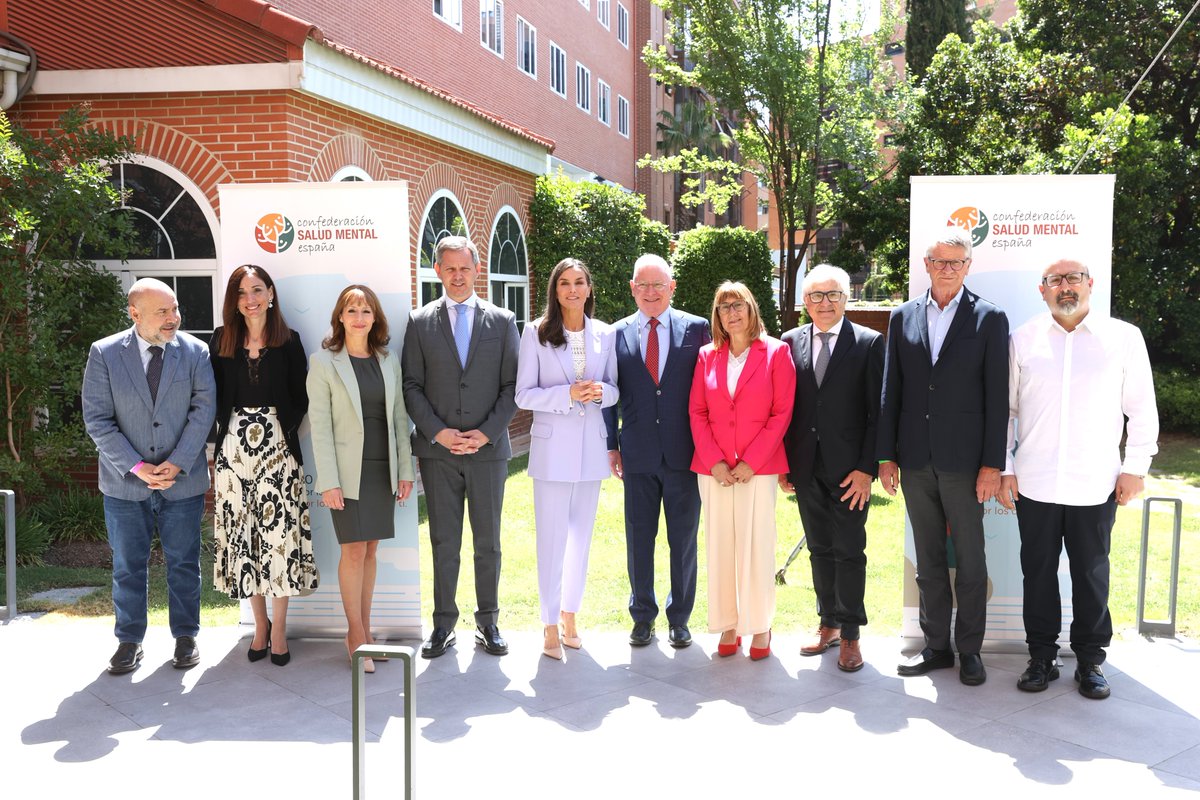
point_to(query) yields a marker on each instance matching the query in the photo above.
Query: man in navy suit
(831, 455)
(942, 432)
(149, 399)
(650, 449)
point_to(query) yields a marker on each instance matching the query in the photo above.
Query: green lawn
(1176, 474)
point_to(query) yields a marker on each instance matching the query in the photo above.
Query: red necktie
(652, 351)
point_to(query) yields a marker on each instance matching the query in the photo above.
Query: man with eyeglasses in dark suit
(942, 422)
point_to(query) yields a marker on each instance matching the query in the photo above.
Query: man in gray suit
(460, 375)
(148, 403)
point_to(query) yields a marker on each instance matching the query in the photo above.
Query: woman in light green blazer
(360, 441)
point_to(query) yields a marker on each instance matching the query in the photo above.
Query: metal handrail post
(358, 714)
(10, 551)
(1159, 627)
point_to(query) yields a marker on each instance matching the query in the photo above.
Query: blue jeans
(131, 526)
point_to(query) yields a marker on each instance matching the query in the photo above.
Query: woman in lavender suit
(566, 372)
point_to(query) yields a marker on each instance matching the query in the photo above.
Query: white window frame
(350, 172)
(530, 32)
(558, 65)
(622, 116)
(623, 25)
(428, 275)
(603, 102)
(604, 13)
(583, 88)
(451, 12)
(585, 3)
(497, 9)
(513, 280)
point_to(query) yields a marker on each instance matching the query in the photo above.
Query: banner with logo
(1019, 225)
(314, 239)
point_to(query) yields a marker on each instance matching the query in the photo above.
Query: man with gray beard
(1074, 380)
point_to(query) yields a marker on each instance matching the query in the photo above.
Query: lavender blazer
(568, 440)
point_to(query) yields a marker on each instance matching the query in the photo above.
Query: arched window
(177, 240)
(350, 173)
(508, 273)
(443, 217)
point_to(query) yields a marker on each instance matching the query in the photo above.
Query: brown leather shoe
(850, 657)
(826, 638)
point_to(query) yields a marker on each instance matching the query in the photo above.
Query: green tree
(694, 127)
(602, 226)
(707, 257)
(55, 198)
(929, 22)
(804, 91)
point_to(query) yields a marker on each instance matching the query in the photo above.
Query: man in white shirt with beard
(1074, 378)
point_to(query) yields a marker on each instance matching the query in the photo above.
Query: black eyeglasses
(955, 264)
(1070, 278)
(834, 296)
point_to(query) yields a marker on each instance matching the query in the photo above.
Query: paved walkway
(610, 722)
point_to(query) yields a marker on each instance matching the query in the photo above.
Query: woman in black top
(260, 525)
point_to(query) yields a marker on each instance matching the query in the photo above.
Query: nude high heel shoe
(551, 646)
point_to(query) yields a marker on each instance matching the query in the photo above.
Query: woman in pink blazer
(741, 405)
(566, 372)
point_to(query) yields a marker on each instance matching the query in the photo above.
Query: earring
(271, 304)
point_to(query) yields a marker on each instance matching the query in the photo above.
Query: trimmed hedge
(601, 225)
(1178, 397)
(707, 257)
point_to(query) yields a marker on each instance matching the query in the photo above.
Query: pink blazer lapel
(754, 363)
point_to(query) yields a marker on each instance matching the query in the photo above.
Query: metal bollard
(10, 551)
(1159, 627)
(358, 713)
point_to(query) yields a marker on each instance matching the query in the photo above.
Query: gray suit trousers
(937, 499)
(448, 482)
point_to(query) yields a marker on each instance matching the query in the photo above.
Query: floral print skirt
(261, 525)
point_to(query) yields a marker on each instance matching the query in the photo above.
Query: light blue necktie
(462, 336)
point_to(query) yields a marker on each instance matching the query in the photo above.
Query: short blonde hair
(733, 290)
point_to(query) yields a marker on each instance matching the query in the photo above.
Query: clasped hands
(161, 476)
(584, 391)
(725, 476)
(461, 443)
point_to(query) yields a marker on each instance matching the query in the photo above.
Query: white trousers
(739, 532)
(565, 514)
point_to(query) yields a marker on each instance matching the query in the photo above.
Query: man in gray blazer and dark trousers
(942, 432)
(149, 399)
(831, 455)
(460, 375)
(652, 454)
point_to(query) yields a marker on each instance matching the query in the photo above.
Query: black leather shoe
(126, 659)
(489, 636)
(1092, 682)
(259, 655)
(642, 634)
(437, 643)
(680, 636)
(970, 669)
(187, 655)
(926, 661)
(1038, 675)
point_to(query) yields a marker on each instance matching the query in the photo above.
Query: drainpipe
(16, 71)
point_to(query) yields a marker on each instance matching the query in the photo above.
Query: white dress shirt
(834, 332)
(1068, 396)
(470, 303)
(663, 332)
(939, 319)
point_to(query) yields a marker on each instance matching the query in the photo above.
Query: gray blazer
(441, 394)
(128, 428)
(336, 421)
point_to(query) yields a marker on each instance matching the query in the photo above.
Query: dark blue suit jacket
(953, 415)
(654, 425)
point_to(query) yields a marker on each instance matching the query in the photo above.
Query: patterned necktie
(154, 371)
(652, 350)
(462, 336)
(822, 357)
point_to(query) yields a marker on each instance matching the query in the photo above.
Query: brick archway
(347, 149)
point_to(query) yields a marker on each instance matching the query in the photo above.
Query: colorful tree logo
(274, 233)
(974, 221)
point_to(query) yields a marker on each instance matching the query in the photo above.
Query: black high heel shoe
(259, 655)
(278, 659)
